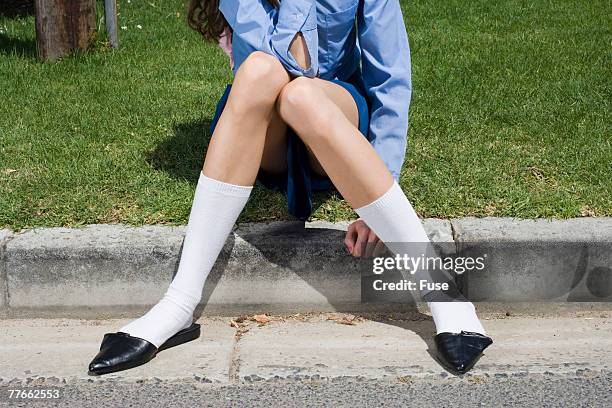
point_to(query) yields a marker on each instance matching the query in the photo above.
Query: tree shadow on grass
(16, 8)
(17, 46)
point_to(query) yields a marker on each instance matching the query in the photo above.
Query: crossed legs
(250, 135)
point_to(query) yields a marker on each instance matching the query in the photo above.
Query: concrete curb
(561, 260)
(289, 266)
(5, 236)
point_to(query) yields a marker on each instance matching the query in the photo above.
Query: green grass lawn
(510, 117)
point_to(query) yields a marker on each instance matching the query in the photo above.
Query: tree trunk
(63, 26)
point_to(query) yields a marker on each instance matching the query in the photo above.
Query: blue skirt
(299, 181)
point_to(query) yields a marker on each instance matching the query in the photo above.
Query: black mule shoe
(120, 351)
(458, 352)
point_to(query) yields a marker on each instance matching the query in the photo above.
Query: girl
(319, 101)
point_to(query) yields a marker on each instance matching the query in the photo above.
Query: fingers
(361, 241)
(357, 236)
(362, 238)
(351, 237)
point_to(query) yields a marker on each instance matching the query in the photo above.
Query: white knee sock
(394, 220)
(216, 207)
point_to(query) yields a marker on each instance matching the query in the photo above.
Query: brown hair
(204, 17)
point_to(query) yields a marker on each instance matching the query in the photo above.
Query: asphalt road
(589, 390)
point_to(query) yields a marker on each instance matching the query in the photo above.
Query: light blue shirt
(341, 36)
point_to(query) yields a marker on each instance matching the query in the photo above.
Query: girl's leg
(324, 115)
(239, 141)
(248, 129)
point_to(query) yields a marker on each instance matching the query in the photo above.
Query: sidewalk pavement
(113, 270)
(324, 347)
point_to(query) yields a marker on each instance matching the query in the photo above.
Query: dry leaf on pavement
(349, 320)
(261, 319)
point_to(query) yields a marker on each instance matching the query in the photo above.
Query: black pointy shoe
(120, 351)
(458, 352)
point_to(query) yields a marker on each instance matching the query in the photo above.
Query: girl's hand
(361, 241)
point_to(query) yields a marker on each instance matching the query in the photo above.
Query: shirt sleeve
(385, 60)
(270, 30)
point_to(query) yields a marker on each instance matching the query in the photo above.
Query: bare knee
(259, 66)
(258, 82)
(300, 106)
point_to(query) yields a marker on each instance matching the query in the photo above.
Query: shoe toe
(98, 365)
(120, 351)
(460, 351)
